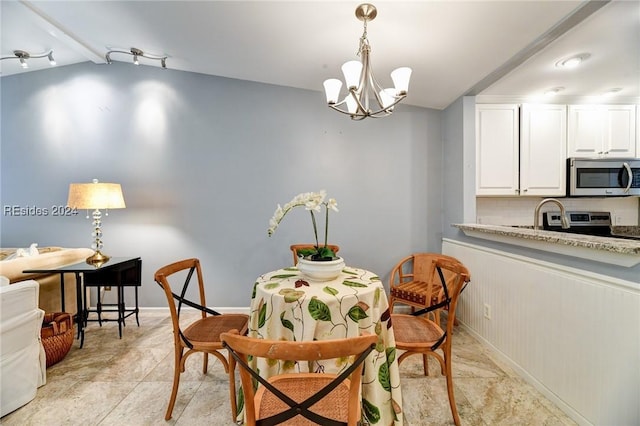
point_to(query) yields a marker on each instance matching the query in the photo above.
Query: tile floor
(127, 381)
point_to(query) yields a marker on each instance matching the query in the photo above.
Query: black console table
(117, 272)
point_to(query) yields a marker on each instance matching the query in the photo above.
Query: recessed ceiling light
(612, 91)
(554, 91)
(573, 61)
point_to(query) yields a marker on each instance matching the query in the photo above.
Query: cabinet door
(585, 131)
(543, 147)
(620, 130)
(497, 149)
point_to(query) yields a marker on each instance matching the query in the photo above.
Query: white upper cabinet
(521, 154)
(543, 147)
(497, 149)
(596, 131)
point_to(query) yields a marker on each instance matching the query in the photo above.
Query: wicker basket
(57, 336)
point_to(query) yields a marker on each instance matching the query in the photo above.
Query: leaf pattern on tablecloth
(383, 377)
(358, 311)
(262, 313)
(356, 303)
(370, 411)
(286, 323)
(330, 290)
(391, 354)
(291, 295)
(319, 310)
(353, 284)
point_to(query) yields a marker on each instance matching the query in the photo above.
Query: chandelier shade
(366, 97)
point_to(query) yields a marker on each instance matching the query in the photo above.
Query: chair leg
(449, 375)
(176, 384)
(232, 388)
(205, 363)
(425, 364)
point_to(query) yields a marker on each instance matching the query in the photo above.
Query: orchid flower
(313, 202)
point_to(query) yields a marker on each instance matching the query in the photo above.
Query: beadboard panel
(574, 334)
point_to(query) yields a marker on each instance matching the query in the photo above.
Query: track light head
(136, 53)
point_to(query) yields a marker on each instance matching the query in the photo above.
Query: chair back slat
(241, 347)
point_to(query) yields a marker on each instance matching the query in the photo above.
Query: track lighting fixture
(137, 53)
(22, 56)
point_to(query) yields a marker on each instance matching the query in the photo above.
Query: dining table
(286, 305)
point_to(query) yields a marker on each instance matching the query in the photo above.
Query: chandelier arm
(388, 109)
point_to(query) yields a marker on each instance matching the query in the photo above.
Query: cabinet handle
(525, 190)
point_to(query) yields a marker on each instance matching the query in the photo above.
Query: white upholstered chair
(22, 356)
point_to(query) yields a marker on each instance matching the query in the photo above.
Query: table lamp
(95, 196)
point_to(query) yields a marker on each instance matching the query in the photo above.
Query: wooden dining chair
(299, 250)
(411, 283)
(201, 335)
(301, 398)
(417, 334)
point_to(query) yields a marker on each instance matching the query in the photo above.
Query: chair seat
(415, 292)
(414, 332)
(209, 329)
(335, 403)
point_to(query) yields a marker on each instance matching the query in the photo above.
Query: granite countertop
(614, 245)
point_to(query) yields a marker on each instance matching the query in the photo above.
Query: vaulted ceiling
(493, 48)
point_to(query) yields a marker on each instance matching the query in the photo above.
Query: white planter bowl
(320, 270)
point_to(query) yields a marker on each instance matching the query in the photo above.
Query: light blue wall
(204, 160)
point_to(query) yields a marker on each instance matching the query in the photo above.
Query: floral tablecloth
(286, 306)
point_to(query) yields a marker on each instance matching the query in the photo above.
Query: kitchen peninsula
(617, 251)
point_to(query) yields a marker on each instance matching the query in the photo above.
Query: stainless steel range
(583, 222)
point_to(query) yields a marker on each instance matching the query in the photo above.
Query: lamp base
(97, 259)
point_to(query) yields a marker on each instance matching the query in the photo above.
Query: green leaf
(282, 276)
(286, 323)
(290, 268)
(306, 252)
(262, 315)
(326, 252)
(356, 313)
(291, 295)
(353, 284)
(346, 271)
(240, 402)
(271, 286)
(330, 290)
(376, 296)
(370, 411)
(384, 378)
(319, 310)
(391, 354)
(253, 295)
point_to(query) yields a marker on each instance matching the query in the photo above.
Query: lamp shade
(95, 196)
(332, 88)
(400, 77)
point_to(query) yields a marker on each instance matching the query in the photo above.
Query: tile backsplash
(518, 211)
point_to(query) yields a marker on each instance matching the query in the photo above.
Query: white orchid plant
(313, 202)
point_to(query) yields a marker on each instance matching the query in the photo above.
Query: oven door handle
(630, 173)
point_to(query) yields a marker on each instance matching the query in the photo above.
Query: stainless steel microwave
(603, 177)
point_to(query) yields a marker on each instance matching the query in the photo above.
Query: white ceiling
(454, 47)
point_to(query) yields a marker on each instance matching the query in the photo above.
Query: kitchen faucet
(563, 213)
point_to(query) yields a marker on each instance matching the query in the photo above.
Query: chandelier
(366, 97)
